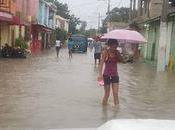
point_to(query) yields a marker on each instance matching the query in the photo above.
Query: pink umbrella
(125, 36)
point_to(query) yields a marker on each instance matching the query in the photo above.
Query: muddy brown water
(48, 92)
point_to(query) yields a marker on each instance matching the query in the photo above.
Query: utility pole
(99, 22)
(161, 63)
(134, 9)
(130, 12)
(147, 9)
(109, 6)
(108, 10)
(164, 11)
(108, 13)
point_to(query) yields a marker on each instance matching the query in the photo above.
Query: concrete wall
(61, 23)
(44, 11)
(28, 7)
(47, 15)
(5, 34)
(8, 6)
(41, 12)
(67, 26)
(22, 6)
(34, 7)
(155, 8)
(116, 25)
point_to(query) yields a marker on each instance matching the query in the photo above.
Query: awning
(12, 20)
(9, 18)
(5, 17)
(42, 28)
(15, 21)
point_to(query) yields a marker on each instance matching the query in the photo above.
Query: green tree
(103, 29)
(118, 15)
(61, 34)
(115, 15)
(74, 21)
(89, 33)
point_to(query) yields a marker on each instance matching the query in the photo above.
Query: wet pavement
(50, 93)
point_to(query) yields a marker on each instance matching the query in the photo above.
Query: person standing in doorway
(58, 47)
(97, 50)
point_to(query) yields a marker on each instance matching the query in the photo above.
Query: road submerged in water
(46, 92)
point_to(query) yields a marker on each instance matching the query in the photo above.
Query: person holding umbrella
(110, 58)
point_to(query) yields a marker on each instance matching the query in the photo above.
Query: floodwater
(48, 92)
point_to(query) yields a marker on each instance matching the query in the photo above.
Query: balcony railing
(8, 6)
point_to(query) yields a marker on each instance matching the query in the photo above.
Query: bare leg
(99, 62)
(115, 88)
(70, 53)
(106, 94)
(57, 52)
(95, 62)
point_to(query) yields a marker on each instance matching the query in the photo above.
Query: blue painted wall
(45, 15)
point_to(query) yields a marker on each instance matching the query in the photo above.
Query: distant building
(61, 23)
(147, 9)
(116, 25)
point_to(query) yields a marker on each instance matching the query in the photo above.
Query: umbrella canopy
(125, 36)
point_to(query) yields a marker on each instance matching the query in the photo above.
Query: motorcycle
(13, 52)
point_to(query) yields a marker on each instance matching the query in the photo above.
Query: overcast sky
(88, 10)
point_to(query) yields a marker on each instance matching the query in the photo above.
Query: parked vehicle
(78, 43)
(128, 58)
(127, 52)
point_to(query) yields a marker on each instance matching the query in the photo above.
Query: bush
(20, 42)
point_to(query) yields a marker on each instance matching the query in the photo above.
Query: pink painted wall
(34, 7)
(19, 5)
(28, 7)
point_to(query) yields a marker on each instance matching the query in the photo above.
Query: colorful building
(23, 12)
(15, 19)
(7, 19)
(44, 25)
(33, 20)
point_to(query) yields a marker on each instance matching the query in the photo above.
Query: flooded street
(45, 92)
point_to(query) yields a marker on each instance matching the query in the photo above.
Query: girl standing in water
(110, 58)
